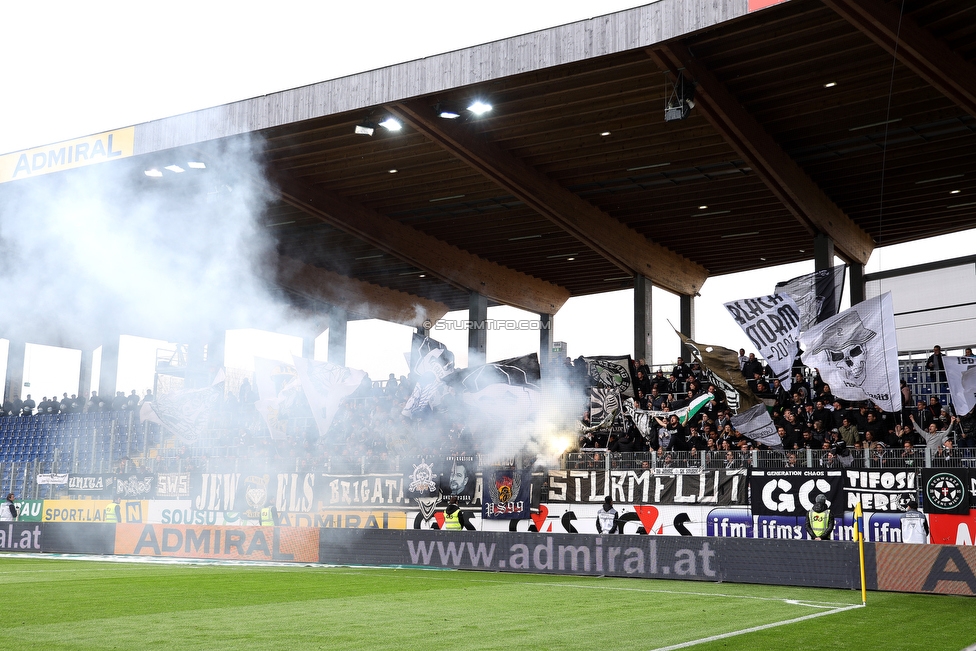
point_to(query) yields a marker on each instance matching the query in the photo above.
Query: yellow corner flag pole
(859, 535)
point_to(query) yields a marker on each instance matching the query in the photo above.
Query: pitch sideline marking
(754, 629)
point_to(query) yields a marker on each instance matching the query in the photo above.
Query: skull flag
(857, 354)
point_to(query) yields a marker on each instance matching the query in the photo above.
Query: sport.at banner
(772, 324)
(857, 353)
(961, 375)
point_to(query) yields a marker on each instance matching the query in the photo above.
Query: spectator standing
(914, 528)
(607, 520)
(820, 523)
(8, 512)
(936, 365)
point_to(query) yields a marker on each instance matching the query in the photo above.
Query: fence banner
(135, 487)
(880, 490)
(50, 478)
(172, 485)
(720, 487)
(91, 510)
(945, 490)
(93, 485)
(300, 545)
(792, 492)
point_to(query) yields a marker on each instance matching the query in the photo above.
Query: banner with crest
(507, 493)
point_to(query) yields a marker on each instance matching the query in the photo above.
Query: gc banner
(792, 492)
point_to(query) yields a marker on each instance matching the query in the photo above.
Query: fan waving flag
(817, 295)
(961, 374)
(430, 363)
(857, 353)
(724, 367)
(612, 374)
(326, 385)
(772, 324)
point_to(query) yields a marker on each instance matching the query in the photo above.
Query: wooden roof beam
(915, 47)
(620, 244)
(364, 299)
(459, 268)
(781, 174)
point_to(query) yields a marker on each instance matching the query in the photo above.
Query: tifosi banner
(792, 492)
(881, 490)
(718, 487)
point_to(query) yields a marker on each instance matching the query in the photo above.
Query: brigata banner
(792, 492)
(230, 543)
(716, 487)
(881, 490)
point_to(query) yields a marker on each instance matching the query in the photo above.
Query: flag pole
(859, 535)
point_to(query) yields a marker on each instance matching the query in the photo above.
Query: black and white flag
(817, 295)
(612, 374)
(757, 425)
(857, 353)
(772, 324)
(430, 363)
(961, 374)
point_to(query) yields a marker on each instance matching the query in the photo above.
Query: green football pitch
(55, 603)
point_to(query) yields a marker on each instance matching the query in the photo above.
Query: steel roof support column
(85, 375)
(15, 370)
(642, 319)
(337, 336)
(687, 326)
(546, 361)
(823, 252)
(477, 329)
(108, 373)
(857, 283)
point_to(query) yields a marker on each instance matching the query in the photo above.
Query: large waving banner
(817, 295)
(961, 374)
(757, 425)
(857, 353)
(184, 413)
(612, 374)
(772, 324)
(279, 391)
(723, 366)
(326, 385)
(431, 363)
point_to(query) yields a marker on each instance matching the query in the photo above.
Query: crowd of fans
(370, 431)
(73, 404)
(807, 417)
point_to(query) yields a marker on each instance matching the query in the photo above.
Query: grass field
(52, 603)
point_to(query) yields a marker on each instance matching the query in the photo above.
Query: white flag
(757, 425)
(961, 374)
(326, 385)
(772, 324)
(857, 353)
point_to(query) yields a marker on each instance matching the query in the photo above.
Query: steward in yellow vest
(113, 512)
(267, 516)
(820, 523)
(452, 516)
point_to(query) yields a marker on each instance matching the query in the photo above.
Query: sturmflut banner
(720, 487)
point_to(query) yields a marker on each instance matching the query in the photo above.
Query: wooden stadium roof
(840, 117)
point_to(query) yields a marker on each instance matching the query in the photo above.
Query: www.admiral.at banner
(792, 492)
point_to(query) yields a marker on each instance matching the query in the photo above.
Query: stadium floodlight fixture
(391, 124)
(154, 173)
(479, 107)
(196, 165)
(176, 169)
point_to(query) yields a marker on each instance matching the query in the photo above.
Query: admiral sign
(67, 155)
